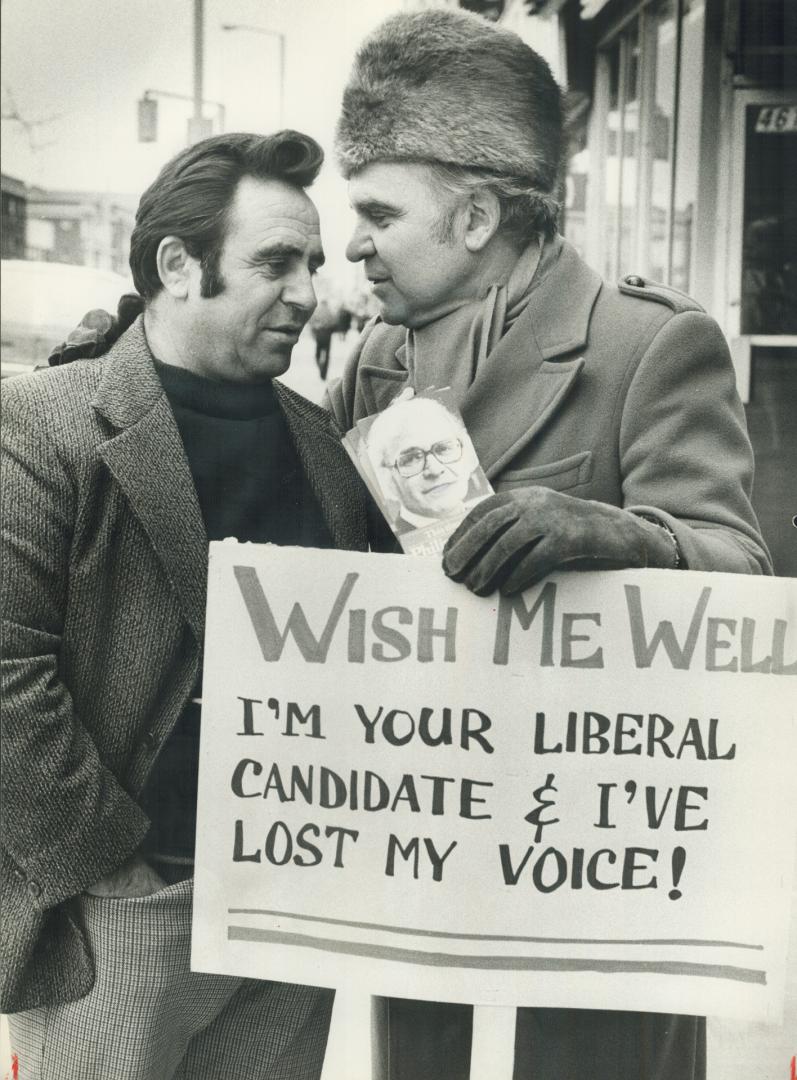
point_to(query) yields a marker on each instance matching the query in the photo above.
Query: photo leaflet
(421, 467)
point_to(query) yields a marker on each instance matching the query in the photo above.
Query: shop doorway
(762, 312)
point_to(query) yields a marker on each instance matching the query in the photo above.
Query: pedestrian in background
(322, 324)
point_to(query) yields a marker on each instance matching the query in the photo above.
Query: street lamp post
(281, 39)
(198, 126)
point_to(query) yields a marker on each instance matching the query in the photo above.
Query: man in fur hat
(605, 416)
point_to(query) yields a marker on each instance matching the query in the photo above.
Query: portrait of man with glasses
(425, 462)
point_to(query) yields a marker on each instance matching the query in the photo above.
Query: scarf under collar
(449, 351)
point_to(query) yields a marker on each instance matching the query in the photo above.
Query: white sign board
(579, 797)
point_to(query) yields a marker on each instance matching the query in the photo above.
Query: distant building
(83, 228)
(13, 231)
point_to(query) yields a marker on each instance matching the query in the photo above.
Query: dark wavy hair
(191, 198)
(193, 192)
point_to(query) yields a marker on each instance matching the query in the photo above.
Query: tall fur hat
(447, 86)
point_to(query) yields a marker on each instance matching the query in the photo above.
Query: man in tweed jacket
(117, 471)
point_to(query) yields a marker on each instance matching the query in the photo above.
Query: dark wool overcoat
(625, 395)
(104, 580)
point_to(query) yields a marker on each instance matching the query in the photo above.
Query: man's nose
(432, 466)
(360, 246)
(299, 292)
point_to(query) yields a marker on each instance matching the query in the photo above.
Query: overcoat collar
(529, 373)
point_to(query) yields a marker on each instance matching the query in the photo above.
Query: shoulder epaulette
(634, 285)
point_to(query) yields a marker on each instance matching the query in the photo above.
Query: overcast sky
(85, 64)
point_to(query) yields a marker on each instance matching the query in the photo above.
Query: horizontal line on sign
(495, 937)
(498, 963)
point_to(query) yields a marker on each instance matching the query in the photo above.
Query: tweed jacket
(104, 585)
(625, 395)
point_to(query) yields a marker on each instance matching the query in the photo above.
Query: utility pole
(199, 48)
(198, 126)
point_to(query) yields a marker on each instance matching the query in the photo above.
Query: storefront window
(611, 170)
(647, 157)
(662, 26)
(629, 154)
(622, 142)
(769, 245)
(687, 145)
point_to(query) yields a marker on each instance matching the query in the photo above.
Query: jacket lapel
(526, 378)
(147, 460)
(529, 374)
(380, 385)
(328, 469)
(381, 368)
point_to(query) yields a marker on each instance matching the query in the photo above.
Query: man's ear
(175, 266)
(484, 217)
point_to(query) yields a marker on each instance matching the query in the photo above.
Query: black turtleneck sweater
(250, 485)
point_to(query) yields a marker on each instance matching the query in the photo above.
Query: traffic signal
(147, 119)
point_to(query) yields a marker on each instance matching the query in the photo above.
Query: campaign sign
(582, 796)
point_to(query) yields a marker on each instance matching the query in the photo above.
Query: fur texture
(448, 86)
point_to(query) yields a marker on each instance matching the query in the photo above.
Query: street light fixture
(281, 38)
(198, 128)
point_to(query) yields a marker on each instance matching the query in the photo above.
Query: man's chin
(391, 309)
(279, 365)
(399, 314)
(440, 510)
(391, 317)
(263, 368)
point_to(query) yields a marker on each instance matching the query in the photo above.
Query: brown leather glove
(513, 539)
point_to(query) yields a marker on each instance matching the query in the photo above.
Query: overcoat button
(150, 740)
(635, 280)
(34, 888)
(18, 874)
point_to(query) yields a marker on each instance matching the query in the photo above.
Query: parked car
(43, 301)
